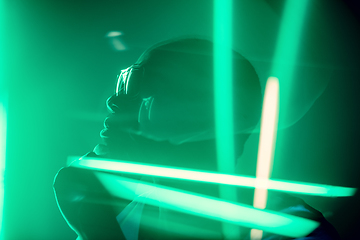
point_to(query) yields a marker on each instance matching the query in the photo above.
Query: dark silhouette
(163, 113)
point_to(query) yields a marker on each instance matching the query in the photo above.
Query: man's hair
(171, 94)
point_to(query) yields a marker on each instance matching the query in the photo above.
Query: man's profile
(162, 112)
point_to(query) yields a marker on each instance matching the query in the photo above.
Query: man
(162, 113)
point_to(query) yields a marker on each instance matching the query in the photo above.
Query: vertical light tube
(287, 47)
(268, 130)
(224, 100)
(3, 118)
(283, 68)
(2, 161)
(223, 84)
(269, 123)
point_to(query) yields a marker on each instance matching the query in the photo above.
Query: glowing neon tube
(223, 100)
(269, 121)
(209, 207)
(2, 160)
(223, 85)
(117, 166)
(268, 130)
(283, 68)
(3, 110)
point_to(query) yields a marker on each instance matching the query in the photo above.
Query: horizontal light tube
(117, 166)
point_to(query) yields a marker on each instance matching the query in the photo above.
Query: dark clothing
(93, 213)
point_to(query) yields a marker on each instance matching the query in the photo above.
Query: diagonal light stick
(269, 122)
(283, 68)
(206, 206)
(268, 130)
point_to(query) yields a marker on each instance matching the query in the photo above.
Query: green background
(60, 68)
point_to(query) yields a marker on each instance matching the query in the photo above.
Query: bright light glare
(112, 165)
(113, 34)
(287, 47)
(283, 65)
(269, 120)
(209, 207)
(2, 158)
(223, 85)
(224, 100)
(3, 111)
(268, 127)
(288, 39)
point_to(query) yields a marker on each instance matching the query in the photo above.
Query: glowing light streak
(268, 127)
(223, 84)
(283, 66)
(116, 166)
(114, 34)
(288, 39)
(223, 99)
(3, 111)
(209, 207)
(2, 161)
(188, 230)
(269, 120)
